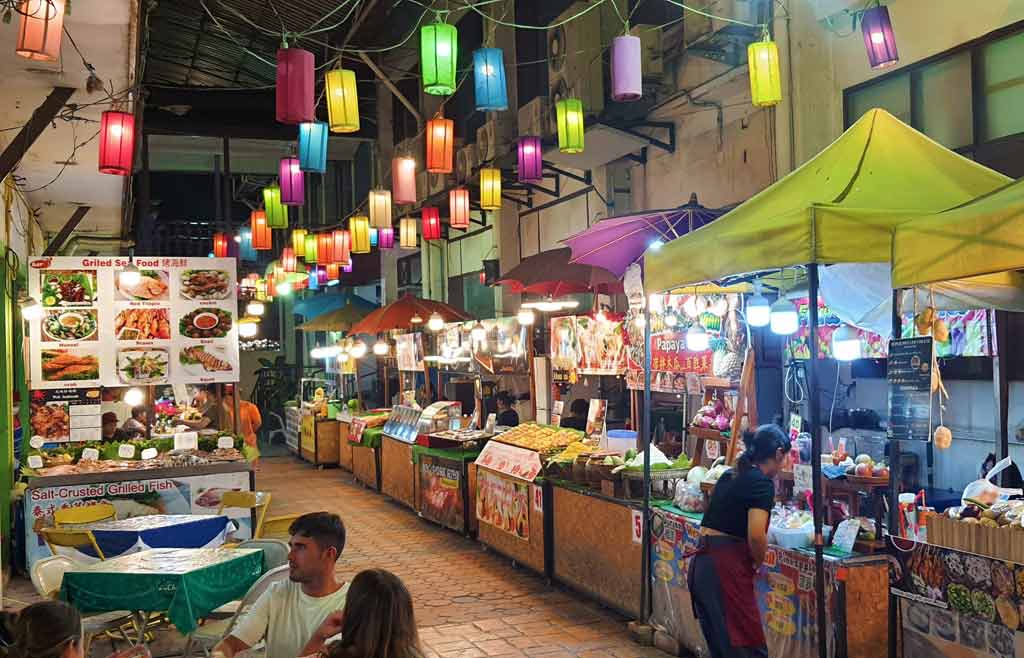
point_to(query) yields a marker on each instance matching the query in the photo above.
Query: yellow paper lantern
(407, 233)
(490, 188)
(765, 79)
(299, 242)
(569, 116)
(359, 234)
(342, 101)
(380, 208)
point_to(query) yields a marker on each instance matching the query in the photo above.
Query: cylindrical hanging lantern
(489, 80)
(341, 248)
(245, 250)
(310, 250)
(440, 145)
(39, 35)
(490, 188)
(293, 186)
(342, 101)
(347, 267)
(277, 214)
(262, 239)
(407, 233)
(403, 180)
(117, 142)
(439, 52)
(458, 208)
(262, 286)
(531, 160)
(627, 71)
(295, 86)
(879, 38)
(313, 280)
(333, 271)
(288, 261)
(220, 245)
(431, 223)
(299, 242)
(313, 146)
(765, 80)
(359, 234)
(321, 275)
(386, 238)
(569, 116)
(324, 247)
(380, 208)
(373, 236)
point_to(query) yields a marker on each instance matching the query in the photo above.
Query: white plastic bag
(984, 493)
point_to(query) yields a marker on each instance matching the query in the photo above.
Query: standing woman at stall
(734, 539)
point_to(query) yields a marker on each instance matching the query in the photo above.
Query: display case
(439, 417)
(402, 424)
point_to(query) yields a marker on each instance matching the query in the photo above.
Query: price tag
(186, 440)
(795, 423)
(35, 461)
(37, 442)
(90, 455)
(803, 478)
(638, 526)
(225, 442)
(149, 453)
(846, 534)
(126, 451)
(538, 499)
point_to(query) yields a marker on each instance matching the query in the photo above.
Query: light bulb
(380, 348)
(238, 238)
(331, 351)
(247, 329)
(526, 317)
(436, 322)
(697, 339)
(31, 309)
(690, 307)
(479, 333)
(845, 343)
(283, 289)
(670, 318)
(416, 319)
(254, 308)
(758, 311)
(783, 319)
(316, 353)
(342, 357)
(130, 275)
(655, 245)
(133, 397)
(358, 350)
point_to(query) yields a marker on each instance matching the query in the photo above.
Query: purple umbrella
(617, 242)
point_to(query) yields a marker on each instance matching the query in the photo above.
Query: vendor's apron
(721, 582)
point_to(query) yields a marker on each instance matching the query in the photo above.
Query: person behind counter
(249, 418)
(577, 418)
(111, 432)
(135, 426)
(507, 416)
(734, 539)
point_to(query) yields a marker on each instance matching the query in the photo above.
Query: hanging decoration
(288, 261)
(340, 248)
(489, 80)
(314, 280)
(439, 52)
(310, 250)
(321, 275)
(245, 250)
(765, 80)
(313, 146)
(359, 234)
(380, 208)
(403, 180)
(373, 236)
(262, 240)
(277, 214)
(407, 233)
(324, 247)
(293, 188)
(299, 242)
(342, 101)
(295, 86)
(627, 69)
(220, 245)
(431, 223)
(531, 160)
(333, 271)
(347, 267)
(458, 208)
(879, 38)
(569, 116)
(490, 188)
(386, 238)
(117, 142)
(39, 34)
(440, 145)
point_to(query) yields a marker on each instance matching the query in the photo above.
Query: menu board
(910, 389)
(177, 325)
(65, 414)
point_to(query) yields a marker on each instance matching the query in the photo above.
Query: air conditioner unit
(651, 50)
(465, 163)
(575, 65)
(533, 118)
(493, 139)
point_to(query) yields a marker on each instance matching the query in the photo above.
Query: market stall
(319, 432)
(364, 432)
(405, 426)
(446, 483)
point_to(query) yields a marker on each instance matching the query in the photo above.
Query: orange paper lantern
(39, 35)
(220, 245)
(288, 259)
(261, 237)
(440, 146)
(342, 250)
(324, 247)
(333, 271)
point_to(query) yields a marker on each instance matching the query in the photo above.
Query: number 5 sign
(638, 527)
(538, 499)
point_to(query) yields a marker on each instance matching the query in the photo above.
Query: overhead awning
(315, 305)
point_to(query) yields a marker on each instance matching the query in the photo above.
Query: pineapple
(729, 363)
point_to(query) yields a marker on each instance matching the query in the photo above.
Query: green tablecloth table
(184, 583)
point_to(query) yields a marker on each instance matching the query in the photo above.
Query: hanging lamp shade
(299, 242)
(333, 271)
(490, 188)
(245, 250)
(293, 186)
(380, 208)
(879, 39)
(627, 69)
(117, 143)
(458, 208)
(277, 214)
(359, 234)
(569, 116)
(313, 146)
(310, 251)
(347, 267)
(531, 160)
(288, 260)
(403, 180)
(489, 80)
(262, 240)
(439, 52)
(373, 236)
(431, 223)
(440, 145)
(407, 233)
(321, 275)
(342, 101)
(313, 280)
(386, 238)
(220, 245)
(295, 86)
(340, 246)
(765, 80)
(324, 247)
(39, 34)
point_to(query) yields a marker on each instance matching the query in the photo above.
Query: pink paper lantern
(403, 180)
(386, 238)
(293, 188)
(531, 160)
(295, 86)
(627, 74)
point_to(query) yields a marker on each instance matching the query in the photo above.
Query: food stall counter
(319, 441)
(446, 486)
(361, 435)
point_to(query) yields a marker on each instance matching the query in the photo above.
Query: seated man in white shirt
(289, 612)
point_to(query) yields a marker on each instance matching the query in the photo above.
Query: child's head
(379, 621)
(50, 629)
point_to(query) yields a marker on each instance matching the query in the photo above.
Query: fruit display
(539, 438)
(1004, 514)
(574, 450)
(865, 467)
(715, 415)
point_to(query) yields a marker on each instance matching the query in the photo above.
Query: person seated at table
(135, 426)
(290, 611)
(577, 418)
(111, 432)
(377, 622)
(49, 629)
(507, 416)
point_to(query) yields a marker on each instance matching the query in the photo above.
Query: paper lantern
(373, 236)
(39, 35)
(489, 80)
(299, 242)
(440, 145)
(313, 146)
(117, 143)
(458, 208)
(341, 248)
(220, 245)
(288, 261)
(313, 281)
(490, 188)
(245, 250)
(262, 240)
(293, 187)
(321, 275)
(342, 101)
(386, 238)
(295, 86)
(431, 223)
(569, 116)
(380, 208)
(626, 68)
(277, 214)
(347, 267)
(407, 233)
(359, 234)
(310, 249)
(531, 160)
(324, 247)
(403, 180)
(879, 38)
(333, 271)
(765, 80)
(439, 51)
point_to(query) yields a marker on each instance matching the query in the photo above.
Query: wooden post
(36, 124)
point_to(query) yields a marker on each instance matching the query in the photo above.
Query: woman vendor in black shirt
(734, 539)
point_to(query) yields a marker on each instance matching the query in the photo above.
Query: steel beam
(26, 137)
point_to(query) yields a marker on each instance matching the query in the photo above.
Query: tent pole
(895, 470)
(813, 394)
(645, 563)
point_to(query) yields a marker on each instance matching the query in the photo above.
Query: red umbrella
(550, 273)
(399, 314)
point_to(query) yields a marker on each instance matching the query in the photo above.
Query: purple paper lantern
(293, 189)
(386, 238)
(531, 160)
(627, 75)
(878, 37)
(347, 267)
(295, 86)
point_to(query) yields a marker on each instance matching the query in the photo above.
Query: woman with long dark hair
(49, 629)
(734, 539)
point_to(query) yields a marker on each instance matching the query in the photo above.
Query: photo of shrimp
(142, 324)
(152, 286)
(69, 365)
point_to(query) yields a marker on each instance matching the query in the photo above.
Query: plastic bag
(689, 497)
(984, 493)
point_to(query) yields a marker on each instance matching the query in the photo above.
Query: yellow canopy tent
(983, 237)
(839, 207)
(337, 320)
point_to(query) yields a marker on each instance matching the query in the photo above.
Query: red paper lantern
(333, 271)
(483, 278)
(288, 262)
(342, 246)
(440, 146)
(458, 208)
(324, 247)
(220, 245)
(40, 32)
(117, 142)
(261, 237)
(295, 86)
(431, 224)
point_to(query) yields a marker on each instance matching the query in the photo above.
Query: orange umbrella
(399, 314)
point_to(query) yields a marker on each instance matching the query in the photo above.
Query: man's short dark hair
(579, 407)
(324, 528)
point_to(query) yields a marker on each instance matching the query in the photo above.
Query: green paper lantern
(569, 115)
(277, 214)
(310, 248)
(439, 52)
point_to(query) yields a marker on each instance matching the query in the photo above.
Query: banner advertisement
(409, 352)
(178, 324)
(503, 352)
(564, 353)
(602, 350)
(441, 491)
(510, 460)
(503, 503)
(60, 415)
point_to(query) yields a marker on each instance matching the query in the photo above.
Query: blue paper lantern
(245, 250)
(314, 281)
(489, 79)
(373, 237)
(313, 146)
